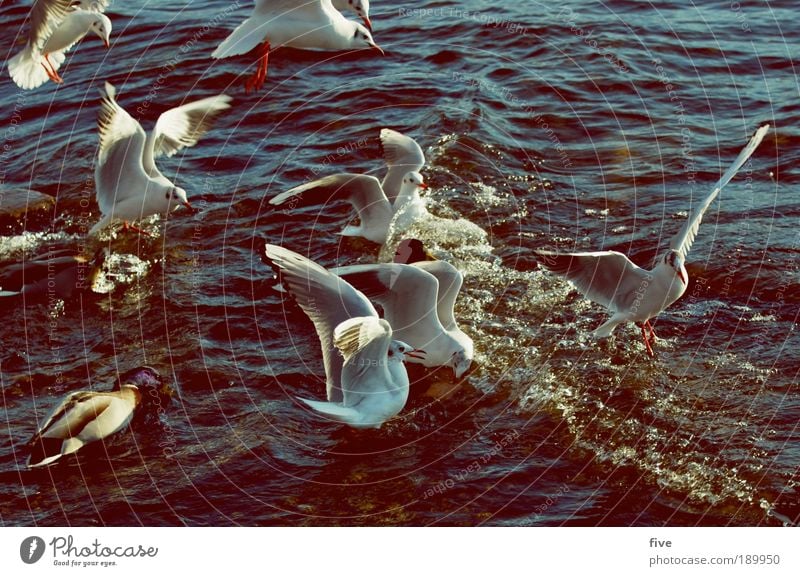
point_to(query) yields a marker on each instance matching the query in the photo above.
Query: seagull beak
(424, 186)
(418, 354)
(430, 257)
(188, 206)
(682, 276)
(367, 23)
(378, 48)
(105, 41)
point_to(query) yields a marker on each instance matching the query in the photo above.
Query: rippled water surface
(571, 125)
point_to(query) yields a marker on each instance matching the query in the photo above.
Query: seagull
(417, 301)
(393, 202)
(633, 294)
(302, 24)
(367, 384)
(58, 273)
(56, 26)
(87, 416)
(128, 183)
(364, 192)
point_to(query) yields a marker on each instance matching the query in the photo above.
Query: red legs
(127, 227)
(648, 334)
(256, 81)
(51, 71)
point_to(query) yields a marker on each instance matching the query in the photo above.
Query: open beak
(367, 23)
(417, 354)
(378, 48)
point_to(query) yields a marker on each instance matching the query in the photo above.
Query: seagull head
(460, 362)
(674, 260)
(101, 25)
(399, 351)
(363, 39)
(415, 179)
(361, 7)
(177, 195)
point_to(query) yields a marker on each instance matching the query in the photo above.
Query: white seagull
(86, 416)
(302, 24)
(368, 384)
(417, 301)
(375, 213)
(128, 183)
(56, 26)
(394, 202)
(633, 294)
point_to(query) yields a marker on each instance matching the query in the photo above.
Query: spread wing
(682, 241)
(407, 293)
(402, 155)
(46, 15)
(608, 278)
(119, 173)
(325, 298)
(182, 127)
(364, 342)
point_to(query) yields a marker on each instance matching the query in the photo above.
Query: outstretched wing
(325, 298)
(362, 191)
(119, 173)
(608, 278)
(407, 293)
(46, 16)
(364, 342)
(402, 155)
(182, 127)
(682, 241)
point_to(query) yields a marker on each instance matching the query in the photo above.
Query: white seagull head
(363, 39)
(675, 260)
(101, 25)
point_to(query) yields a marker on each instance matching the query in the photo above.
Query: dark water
(547, 125)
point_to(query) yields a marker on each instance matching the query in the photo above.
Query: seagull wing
(182, 127)
(325, 298)
(119, 173)
(682, 241)
(402, 155)
(364, 342)
(46, 16)
(450, 281)
(407, 294)
(362, 191)
(608, 278)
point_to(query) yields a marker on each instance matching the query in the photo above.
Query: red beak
(379, 49)
(424, 186)
(418, 354)
(367, 23)
(683, 277)
(106, 43)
